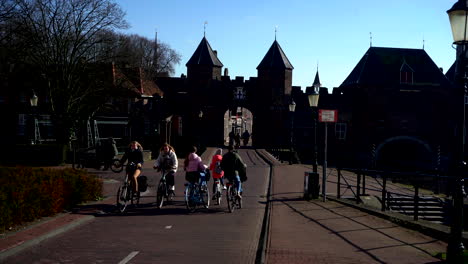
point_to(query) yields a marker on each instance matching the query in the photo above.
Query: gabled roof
(382, 66)
(204, 55)
(275, 59)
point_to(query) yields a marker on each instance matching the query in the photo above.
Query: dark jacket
(135, 156)
(231, 164)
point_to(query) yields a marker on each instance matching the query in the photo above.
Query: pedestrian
(193, 166)
(237, 140)
(246, 137)
(109, 151)
(231, 137)
(167, 162)
(216, 169)
(234, 168)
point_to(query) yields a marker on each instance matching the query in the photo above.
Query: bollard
(311, 185)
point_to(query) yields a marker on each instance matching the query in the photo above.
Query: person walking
(167, 162)
(246, 137)
(109, 152)
(234, 168)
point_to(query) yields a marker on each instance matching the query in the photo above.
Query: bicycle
(218, 191)
(116, 166)
(163, 191)
(232, 197)
(125, 193)
(196, 194)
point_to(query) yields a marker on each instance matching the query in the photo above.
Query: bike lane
(168, 235)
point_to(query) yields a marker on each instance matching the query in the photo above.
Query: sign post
(326, 116)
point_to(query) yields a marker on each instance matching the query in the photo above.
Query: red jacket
(215, 159)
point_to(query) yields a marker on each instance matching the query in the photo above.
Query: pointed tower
(204, 64)
(275, 74)
(317, 83)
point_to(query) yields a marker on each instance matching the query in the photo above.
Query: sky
(328, 35)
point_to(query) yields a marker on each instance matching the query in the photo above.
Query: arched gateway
(210, 105)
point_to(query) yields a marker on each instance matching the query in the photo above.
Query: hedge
(29, 193)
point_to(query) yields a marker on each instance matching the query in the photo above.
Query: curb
(264, 233)
(22, 245)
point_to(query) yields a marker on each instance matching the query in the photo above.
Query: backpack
(217, 167)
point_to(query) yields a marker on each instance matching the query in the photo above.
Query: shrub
(31, 193)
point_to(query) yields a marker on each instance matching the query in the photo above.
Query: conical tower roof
(204, 55)
(317, 80)
(275, 59)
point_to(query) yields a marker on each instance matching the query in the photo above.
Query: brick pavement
(329, 232)
(299, 232)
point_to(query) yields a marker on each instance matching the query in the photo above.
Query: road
(169, 235)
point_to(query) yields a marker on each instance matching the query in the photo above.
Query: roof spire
(276, 30)
(424, 41)
(317, 83)
(370, 36)
(204, 28)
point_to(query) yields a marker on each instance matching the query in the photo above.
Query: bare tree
(138, 51)
(62, 38)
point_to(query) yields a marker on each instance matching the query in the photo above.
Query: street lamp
(313, 102)
(458, 16)
(292, 108)
(33, 102)
(200, 130)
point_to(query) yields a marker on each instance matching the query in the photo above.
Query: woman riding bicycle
(134, 155)
(167, 162)
(193, 165)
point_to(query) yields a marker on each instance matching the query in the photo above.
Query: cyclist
(134, 154)
(234, 168)
(193, 165)
(167, 161)
(217, 172)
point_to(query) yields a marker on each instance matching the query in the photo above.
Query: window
(21, 124)
(340, 131)
(406, 73)
(406, 77)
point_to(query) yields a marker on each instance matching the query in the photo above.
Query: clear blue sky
(332, 33)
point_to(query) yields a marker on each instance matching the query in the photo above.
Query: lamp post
(200, 131)
(313, 102)
(292, 108)
(33, 102)
(458, 16)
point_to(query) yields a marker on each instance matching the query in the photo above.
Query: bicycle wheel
(231, 198)
(115, 166)
(190, 198)
(205, 195)
(218, 194)
(123, 195)
(160, 194)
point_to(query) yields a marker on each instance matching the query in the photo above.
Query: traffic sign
(328, 116)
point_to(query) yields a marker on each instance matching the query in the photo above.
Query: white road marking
(129, 257)
(168, 227)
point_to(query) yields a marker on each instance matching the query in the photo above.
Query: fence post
(364, 184)
(358, 193)
(384, 192)
(416, 202)
(338, 185)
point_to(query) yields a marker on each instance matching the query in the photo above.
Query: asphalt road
(169, 235)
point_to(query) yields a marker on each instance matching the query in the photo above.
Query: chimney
(215, 53)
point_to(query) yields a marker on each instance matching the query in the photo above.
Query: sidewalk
(330, 232)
